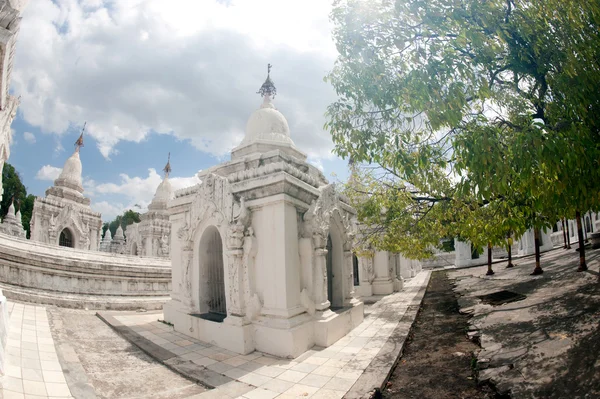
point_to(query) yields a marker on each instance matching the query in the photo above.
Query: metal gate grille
(65, 239)
(329, 266)
(215, 280)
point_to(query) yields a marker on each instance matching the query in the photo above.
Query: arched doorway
(211, 263)
(334, 265)
(355, 270)
(588, 225)
(66, 238)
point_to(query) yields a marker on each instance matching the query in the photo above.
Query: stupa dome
(267, 124)
(10, 215)
(71, 173)
(163, 194)
(267, 129)
(164, 191)
(119, 233)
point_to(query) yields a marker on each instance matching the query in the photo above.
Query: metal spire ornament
(167, 168)
(268, 88)
(79, 142)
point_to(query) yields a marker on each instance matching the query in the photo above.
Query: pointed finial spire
(167, 168)
(79, 142)
(268, 88)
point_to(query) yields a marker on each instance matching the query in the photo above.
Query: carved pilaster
(320, 279)
(185, 285)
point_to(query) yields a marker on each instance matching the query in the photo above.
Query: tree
(14, 188)
(460, 106)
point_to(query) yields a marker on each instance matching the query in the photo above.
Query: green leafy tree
(14, 188)
(478, 117)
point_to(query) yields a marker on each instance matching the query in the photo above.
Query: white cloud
(131, 192)
(29, 137)
(109, 210)
(48, 172)
(187, 68)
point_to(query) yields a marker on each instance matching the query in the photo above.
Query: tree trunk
(564, 232)
(538, 268)
(509, 250)
(489, 270)
(582, 266)
(568, 235)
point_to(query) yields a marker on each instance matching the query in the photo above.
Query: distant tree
(13, 187)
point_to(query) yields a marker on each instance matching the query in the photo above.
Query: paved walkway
(319, 373)
(32, 367)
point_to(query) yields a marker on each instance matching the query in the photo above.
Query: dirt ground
(437, 359)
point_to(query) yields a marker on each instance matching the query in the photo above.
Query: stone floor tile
(30, 354)
(57, 390)
(301, 390)
(351, 350)
(335, 363)
(31, 363)
(285, 363)
(349, 374)
(251, 356)
(328, 394)
(234, 389)
(235, 361)
(260, 393)
(50, 365)
(265, 360)
(204, 361)
(315, 360)
(277, 385)
(304, 367)
(326, 371)
(220, 356)
(48, 356)
(53, 376)
(12, 384)
(292, 376)
(32, 374)
(35, 388)
(235, 373)
(46, 347)
(251, 366)
(270, 371)
(315, 380)
(13, 371)
(31, 346)
(179, 351)
(254, 379)
(12, 395)
(339, 384)
(219, 367)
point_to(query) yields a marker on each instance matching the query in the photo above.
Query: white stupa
(64, 216)
(152, 236)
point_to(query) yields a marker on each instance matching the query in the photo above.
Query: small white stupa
(64, 216)
(152, 236)
(11, 224)
(106, 240)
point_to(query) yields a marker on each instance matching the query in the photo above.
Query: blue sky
(157, 76)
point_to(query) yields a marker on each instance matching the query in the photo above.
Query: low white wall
(37, 272)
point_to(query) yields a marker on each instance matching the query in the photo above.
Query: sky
(157, 76)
